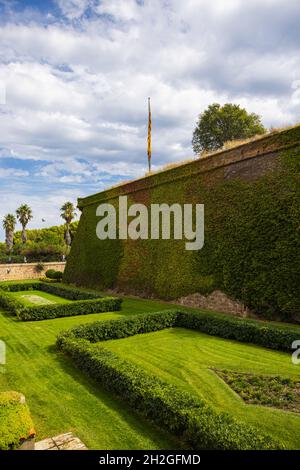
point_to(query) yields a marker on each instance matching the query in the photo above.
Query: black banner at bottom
(142, 459)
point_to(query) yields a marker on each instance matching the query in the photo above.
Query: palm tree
(68, 213)
(24, 214)
(9, 223)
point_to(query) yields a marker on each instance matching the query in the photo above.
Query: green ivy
(252, 238)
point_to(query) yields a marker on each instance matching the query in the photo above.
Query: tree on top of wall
(219, 124)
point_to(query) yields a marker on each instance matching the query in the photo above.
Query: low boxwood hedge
(189, 418)
(62, 290)
(15, 422)
(84, 302)
(17, 286)
(80, 307)
(247, 331)
(269, 335)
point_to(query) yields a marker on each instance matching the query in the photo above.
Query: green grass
(186, 358)
(53, 298)
(60, 397)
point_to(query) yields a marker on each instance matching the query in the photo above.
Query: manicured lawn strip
(191, 419)
(84, 302)
(98, 365)
(54, 298)
(61, 398)
(15, 421)
(270, 336)
(187, 359)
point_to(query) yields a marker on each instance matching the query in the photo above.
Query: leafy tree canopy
(219, 124)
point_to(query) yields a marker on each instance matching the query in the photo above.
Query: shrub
(80, 307)
(15, 421)
(85, 302)
(129, 326)
(17, 286)
(50, 273)
(247, 331)
(53, 274)
(46, 279)
(69, 292)
(189, 418)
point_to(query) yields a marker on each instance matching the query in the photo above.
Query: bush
(17, 286)
(69, 292)
(50, 273)
(53, 274)
(80, 307)
(15, 422)
(129, 326)
(189, 418)
(46, 279)
(85, 302)
(62, 290)
(247, 331)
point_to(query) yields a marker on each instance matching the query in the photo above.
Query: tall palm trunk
(68, 239)
(24, 235)
(9, 239)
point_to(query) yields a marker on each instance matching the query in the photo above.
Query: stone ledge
(62, 442)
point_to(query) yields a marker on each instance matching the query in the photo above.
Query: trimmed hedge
(84, 302)
(189, 418)
(17, 286)
(69, 292)
(121, 328)
(15, 422)
(247, 331)
(62, 290)
(80, 307)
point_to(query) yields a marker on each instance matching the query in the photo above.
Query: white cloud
(12, 173)
(73, 9)
(77, 88)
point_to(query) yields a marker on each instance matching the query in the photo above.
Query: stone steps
(62, 442)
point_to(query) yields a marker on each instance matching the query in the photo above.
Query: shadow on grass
(135, 421)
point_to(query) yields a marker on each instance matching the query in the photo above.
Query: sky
(75, 76)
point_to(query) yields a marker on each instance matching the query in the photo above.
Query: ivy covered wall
(251, 196)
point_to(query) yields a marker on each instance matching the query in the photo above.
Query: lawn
(60, 397)
(38, 297)
(186, 359)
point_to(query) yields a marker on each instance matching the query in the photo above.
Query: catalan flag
(149, 135)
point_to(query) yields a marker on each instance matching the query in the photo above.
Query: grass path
(186, 358)
(60, 397)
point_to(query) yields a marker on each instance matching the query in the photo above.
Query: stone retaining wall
(19, 271)
(216, 301)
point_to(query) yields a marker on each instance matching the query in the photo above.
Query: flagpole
(149, 150)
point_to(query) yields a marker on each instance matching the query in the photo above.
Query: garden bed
(190, 418)
(83, 302)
